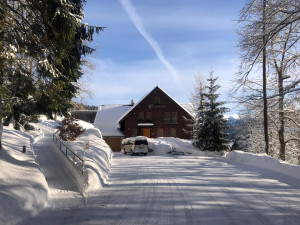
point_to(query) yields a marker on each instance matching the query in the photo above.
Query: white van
(135, 145)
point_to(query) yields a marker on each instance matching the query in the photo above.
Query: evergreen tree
(210, 121)
(44, 42)
(42, 49)
(200, 116)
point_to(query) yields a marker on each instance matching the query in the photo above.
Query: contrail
(153, 43)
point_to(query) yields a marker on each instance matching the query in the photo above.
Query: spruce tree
(211, 124)
(200, 115)
(44, 42)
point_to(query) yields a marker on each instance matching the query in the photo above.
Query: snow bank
(177, 146)
(90, 129)
(49, 123)
(262, 160)
(98, 158)
(23, 188)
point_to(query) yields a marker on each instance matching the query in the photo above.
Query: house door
(146, 132)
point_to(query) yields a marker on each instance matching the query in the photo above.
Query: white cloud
(115, 83)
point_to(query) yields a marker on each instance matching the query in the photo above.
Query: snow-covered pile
(49, 123)
(262, 160)
(98, 157)
(177, 146)
(23, 188)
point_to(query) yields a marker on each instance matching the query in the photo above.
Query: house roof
(186, 107)
(107, 118)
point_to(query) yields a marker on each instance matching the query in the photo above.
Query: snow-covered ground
(28, 180)
(23, 188)
(98, 157)
(177, 146)
(262, 160)
(184, 190)
(174, 184)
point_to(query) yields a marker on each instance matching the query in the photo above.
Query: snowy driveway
(182, 190)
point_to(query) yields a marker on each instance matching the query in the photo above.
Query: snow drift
(177, 146)
(262, 160)
(23, 188)
(98, 158)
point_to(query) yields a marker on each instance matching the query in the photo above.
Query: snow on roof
(189, 108)
(109, 106)
(145, 124)
(183, 106)
(107, 118)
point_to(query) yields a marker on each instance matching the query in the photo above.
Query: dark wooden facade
(157, 115)
(85, 115)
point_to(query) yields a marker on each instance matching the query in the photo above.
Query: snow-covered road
(181, 190)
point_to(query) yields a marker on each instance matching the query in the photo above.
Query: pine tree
(210, 121)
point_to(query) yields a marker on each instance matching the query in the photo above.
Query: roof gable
(157, 88)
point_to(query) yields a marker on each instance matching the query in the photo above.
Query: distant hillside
(234, 122)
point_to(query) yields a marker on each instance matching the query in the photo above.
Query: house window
(160, 132)
(174, 118)
(141, 116)
(133, 132)
(148, 116)
(166, 117)
(157, 100)
(173, 132)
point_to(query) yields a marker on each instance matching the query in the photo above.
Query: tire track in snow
(190, 216)
(270, 192)
(261, 198)
(188, 211)
(147, 203)
(171, 214)
(129, 201)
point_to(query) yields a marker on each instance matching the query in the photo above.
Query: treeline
(267, 84)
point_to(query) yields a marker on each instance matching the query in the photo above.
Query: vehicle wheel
(124, 151)
(145, 153)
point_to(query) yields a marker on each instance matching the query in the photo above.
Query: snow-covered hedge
(262, 160)
(98, 157)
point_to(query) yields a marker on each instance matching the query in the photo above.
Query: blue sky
(164, 43)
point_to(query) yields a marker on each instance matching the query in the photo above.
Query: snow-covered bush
(69, 129)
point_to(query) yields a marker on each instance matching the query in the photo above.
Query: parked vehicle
(135, 145)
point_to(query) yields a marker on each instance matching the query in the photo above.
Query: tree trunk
(1, 131)
(281, 116)
(1, 123)
(266, 133)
